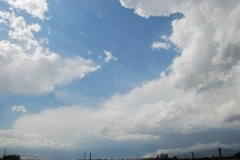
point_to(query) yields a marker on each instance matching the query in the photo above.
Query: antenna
(5, 152)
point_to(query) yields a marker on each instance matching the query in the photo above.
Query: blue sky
(119, 78)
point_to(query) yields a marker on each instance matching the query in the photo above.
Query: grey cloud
(229, 57)
(233, 118)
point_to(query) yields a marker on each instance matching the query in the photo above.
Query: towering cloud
(207, 68)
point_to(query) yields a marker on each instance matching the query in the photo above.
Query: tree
(237, 154)
(164, 156)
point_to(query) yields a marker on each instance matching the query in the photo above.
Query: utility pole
(220, 153)
(192, 155)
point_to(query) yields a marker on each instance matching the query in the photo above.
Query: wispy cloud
(82, 33)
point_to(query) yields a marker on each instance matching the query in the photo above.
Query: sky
(119, 79)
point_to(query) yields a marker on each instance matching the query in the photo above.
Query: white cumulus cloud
(200, 91)
(19, 30)
(25, 65)
(19, 109)
(203, 77)
(160, 45)
(38, 72)
(36, 8)
(154, 8)
(109, 56)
